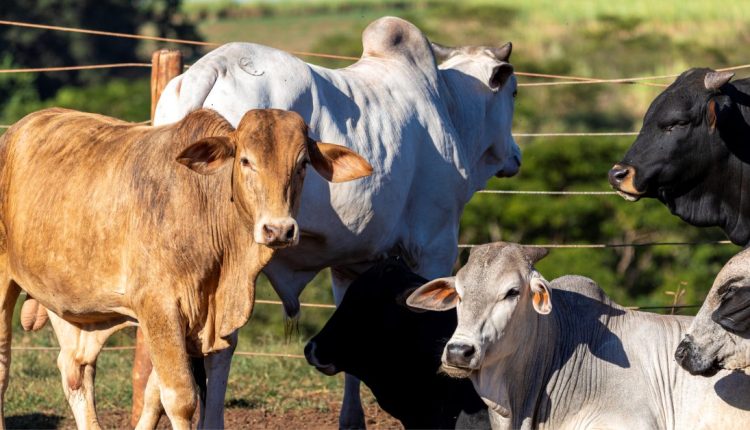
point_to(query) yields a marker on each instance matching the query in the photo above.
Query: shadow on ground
(33, 421)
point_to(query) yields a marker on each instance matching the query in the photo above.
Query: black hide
(396, 352)
(693, 154)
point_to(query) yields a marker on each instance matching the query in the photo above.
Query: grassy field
(584, 38)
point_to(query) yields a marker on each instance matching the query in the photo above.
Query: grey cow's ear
(208, 155)
(336, 163)
(437, 295)
(540, 295)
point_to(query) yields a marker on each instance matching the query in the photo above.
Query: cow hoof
(352, 420)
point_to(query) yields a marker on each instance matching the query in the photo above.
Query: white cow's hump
(392, 37)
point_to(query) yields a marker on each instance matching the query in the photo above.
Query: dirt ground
(235, 418)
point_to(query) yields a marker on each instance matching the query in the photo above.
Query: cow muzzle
(689, 359)
(511, 167)
(621, 178)
(459, 359)
(277, 232)
(313, 360)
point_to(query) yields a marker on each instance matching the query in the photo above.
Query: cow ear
(733, 313)
(540, 295)
(437, 295)
(403, 297)
(207, 156)
(336, 163)
(500, 75)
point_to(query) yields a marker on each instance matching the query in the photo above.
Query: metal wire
(613, 245)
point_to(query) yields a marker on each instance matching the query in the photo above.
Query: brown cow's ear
(540, 295)
(437, 295)
(208, 155)
(337, 163)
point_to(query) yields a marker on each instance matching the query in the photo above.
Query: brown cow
(107, 223)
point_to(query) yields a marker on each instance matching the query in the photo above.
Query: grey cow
(562, 355)
(719, 337)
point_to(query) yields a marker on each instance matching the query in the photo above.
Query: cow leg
(9, 291)
(152, 410)
(217, 367)
(352, 416)
(79, 350)
(165, 336)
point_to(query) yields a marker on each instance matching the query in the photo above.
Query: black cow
(396, 351)
(693, 153)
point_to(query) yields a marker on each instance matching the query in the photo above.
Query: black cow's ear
(733, 312)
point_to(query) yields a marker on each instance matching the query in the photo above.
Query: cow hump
(392, 37)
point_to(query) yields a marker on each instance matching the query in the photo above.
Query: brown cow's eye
(245, 162)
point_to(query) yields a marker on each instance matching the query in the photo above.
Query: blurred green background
(582, 38)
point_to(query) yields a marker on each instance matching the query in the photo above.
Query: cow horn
(441, 52)
(714, 80)
(535, 253)
(502, 53)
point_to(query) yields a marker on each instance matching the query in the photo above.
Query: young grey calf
(562, 355)
(719, 336)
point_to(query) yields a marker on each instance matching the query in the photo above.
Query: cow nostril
(270, 233)
(468, 352)
(290, 232)
(619, 174)
(681, 352)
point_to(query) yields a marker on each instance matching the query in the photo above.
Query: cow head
(687, 150)
(371, 315)
(719, 337)
(267, 155)
(482, 81)
(496, 289)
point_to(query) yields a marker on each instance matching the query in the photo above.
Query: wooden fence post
(165, 65)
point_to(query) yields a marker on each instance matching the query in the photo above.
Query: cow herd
(106, 224)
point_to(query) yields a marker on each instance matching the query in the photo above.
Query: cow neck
(517, 382)
(462, 109)
(735, 134)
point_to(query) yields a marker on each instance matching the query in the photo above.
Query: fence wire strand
(69, 68)
(568, 80)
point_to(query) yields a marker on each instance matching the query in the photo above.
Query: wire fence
(559, 80)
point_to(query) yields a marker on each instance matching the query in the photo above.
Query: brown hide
(102, 222)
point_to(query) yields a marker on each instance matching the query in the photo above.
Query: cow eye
(245, 162)
(513, 292)
(674, 125)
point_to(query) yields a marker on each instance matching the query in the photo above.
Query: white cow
(433, 135)
(562, 355)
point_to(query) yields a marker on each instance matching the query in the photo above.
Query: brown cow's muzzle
(621, 178)
(277, 232)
